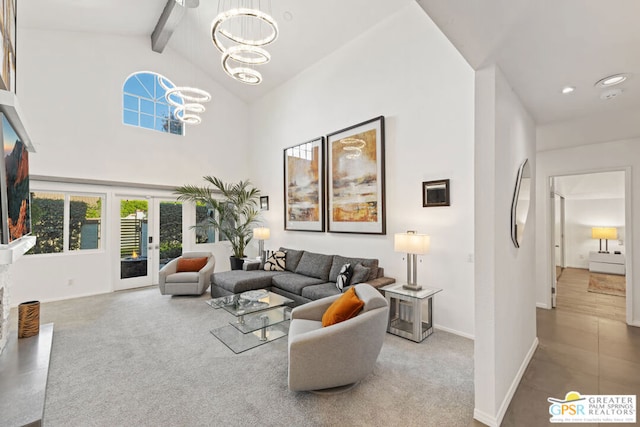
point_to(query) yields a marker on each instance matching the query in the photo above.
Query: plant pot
(236, 263)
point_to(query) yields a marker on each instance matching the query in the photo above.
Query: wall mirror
(520, 203)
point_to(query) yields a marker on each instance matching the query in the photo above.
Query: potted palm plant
(236, 211)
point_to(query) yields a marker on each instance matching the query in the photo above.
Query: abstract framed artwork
(355, 179)
(435, 193)
(304, 186)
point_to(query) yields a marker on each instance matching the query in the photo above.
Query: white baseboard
(454, 331)
(516, 382)
(485, 418)
(636, 323)
(542, 305)
(15, 305)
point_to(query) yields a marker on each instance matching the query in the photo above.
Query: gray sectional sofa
(308, 276)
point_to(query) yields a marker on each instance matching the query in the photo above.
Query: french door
(150, 235)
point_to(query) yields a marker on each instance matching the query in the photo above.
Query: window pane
(170, 231)
(47, 222)
(131, 118)
(85, 222)
(148, 81)
(176, 127)
(146, 121)
(160, 124)
(146, 106)
(134, 87)
(130, 102)
(162, 110)
(204, 233)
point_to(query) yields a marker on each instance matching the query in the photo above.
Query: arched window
(144, 103)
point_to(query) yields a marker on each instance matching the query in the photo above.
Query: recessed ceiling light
(568, 89)
(613, 80)
(288, 16)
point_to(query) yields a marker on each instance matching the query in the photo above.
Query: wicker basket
(28, 319)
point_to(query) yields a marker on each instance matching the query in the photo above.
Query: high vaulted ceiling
(314, 31)
(540, 45)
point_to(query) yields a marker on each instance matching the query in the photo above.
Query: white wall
(70, 89)
(608, 156)
(405, 69)
(505, 318)
(583, 214)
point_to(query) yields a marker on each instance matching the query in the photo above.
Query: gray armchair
(341, 354)
(186, 283)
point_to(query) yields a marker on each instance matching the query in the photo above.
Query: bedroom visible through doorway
(589, 244)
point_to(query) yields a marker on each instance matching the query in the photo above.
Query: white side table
(410, 312)
(604, 262)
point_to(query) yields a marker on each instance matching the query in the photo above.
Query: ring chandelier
(189, 106)
(237, 34)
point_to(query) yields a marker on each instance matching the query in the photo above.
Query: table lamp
(262, 234)
(605, 233)
(413, 245)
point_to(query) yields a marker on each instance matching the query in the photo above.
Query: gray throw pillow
(293, 258)
(360, 274)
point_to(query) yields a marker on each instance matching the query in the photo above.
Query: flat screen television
(14, 185)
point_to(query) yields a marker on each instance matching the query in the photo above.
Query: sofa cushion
(183, 277)
(339, 261)
(294, 283)
(321, 291)
(315, 265)
(237, 281)
(275, 261)
(292, 259)
(360, 274)
(344, 308)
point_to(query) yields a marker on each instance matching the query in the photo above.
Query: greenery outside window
(65, 222)
(204, 232)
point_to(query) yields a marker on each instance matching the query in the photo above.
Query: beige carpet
(607, 284)
(138, 358)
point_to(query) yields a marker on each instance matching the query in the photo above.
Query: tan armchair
(341, 354)
(186, 283)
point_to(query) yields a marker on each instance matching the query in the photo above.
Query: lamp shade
(411, 243)
(610, 233)
(261, 233)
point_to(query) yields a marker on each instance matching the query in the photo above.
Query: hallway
(583, 347)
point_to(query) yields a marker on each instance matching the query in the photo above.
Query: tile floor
(586, 351)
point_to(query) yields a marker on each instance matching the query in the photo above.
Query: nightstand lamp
(412, 244)
(262, 234)
(605, 233)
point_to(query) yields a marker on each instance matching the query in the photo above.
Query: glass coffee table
(260, 317)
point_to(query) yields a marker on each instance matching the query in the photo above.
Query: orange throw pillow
(345, 307)
(191, 264)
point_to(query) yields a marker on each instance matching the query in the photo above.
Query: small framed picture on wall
(435, 193)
